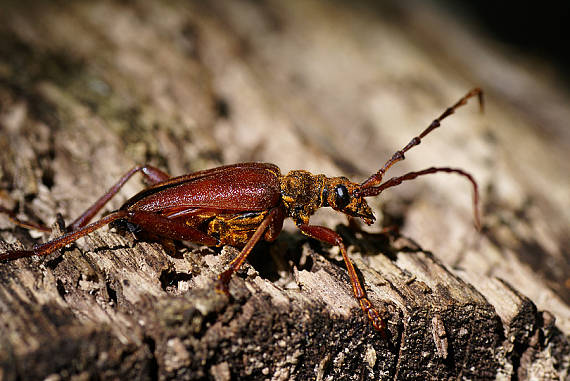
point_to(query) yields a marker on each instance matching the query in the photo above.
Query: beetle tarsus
(373, 315)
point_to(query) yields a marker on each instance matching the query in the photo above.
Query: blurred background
(538, 32)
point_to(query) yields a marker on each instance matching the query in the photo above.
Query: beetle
(241, 204)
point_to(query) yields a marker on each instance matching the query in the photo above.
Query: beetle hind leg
(24, 224)
(57, 243)
(164, 227)
(151, 174)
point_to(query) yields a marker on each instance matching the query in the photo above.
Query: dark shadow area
(533, 29)
(539, 30)
(169, 279)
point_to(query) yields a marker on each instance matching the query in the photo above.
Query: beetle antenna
(374, 191)
(376, 178)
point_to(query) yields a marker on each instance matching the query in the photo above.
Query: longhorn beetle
(240, 204)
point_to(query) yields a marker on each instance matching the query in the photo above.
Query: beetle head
(345, 196)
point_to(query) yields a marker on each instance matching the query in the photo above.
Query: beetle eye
(342, 198)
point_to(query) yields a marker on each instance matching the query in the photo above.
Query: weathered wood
(87, 90)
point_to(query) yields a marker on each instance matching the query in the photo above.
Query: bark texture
(89, 89)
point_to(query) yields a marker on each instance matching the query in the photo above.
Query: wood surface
(90, 89)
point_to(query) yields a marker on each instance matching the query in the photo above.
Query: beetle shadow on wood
(271, 259)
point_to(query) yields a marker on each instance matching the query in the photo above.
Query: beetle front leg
(332, 238)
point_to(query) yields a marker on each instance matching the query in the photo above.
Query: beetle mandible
(240, 204)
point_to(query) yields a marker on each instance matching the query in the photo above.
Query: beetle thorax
(301, 192)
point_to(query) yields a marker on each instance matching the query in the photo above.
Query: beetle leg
(269, 221)
(57, 243)
(332, 238)
(151, 174)
(168, 228)
(151, 222)
(25, 224)
(276, 225)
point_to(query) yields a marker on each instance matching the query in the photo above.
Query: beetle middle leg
(332, 238)
(273, 219)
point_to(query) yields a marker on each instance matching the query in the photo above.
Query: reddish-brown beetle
(240, 204)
